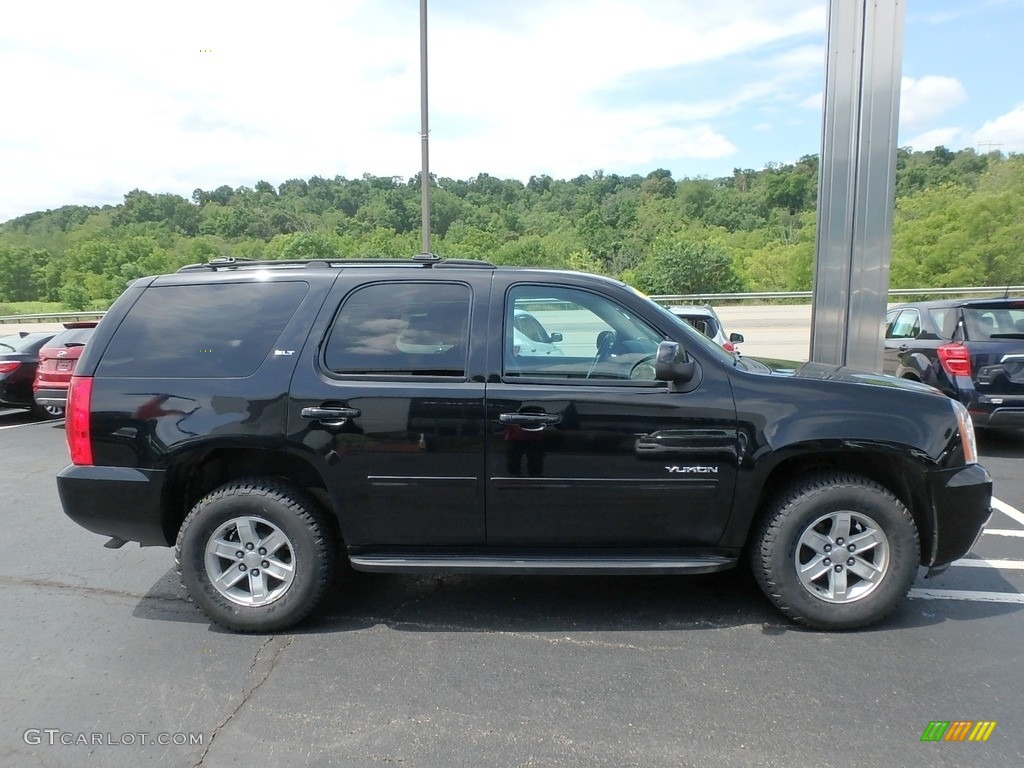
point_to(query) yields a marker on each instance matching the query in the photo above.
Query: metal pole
(424, 130)
(858, 171)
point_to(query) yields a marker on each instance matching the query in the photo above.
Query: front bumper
(115, 501)
(962, 504)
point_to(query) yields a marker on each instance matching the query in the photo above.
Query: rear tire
(836, 551)
(256, 555)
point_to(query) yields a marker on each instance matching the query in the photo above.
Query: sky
(103, 97)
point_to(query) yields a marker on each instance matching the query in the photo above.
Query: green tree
(686, 264)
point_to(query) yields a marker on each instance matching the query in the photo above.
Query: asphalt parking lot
(106, 663)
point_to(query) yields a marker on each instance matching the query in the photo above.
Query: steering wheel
(605, 344)
(643, 369)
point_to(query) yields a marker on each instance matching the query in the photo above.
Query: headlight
(966, 426)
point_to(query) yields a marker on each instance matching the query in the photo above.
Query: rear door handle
(531, 422)
(330, 415)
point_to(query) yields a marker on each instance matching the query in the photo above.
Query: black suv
(972, 350)
(270, 418)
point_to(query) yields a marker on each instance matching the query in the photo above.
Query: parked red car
(57, 361)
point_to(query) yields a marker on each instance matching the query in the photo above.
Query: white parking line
(1004, 532)
(30, 424)
(1010, 512)
(961, 594)
(1006, 565)
(1003, 565)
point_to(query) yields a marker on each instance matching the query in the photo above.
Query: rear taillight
(729, 346)
(77, 424)
(8, 367)
(955, 359)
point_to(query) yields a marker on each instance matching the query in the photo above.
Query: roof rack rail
(420, 259)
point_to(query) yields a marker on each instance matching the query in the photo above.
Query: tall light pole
(424, 130)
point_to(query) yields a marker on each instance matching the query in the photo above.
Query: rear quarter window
(223, 330)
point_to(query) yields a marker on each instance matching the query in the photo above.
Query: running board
(510, 564)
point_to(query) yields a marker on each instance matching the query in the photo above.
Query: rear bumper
(52, 397)
(115, 501)
(962, 502)
(996, 410)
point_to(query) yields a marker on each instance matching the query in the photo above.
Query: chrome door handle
(530, 421)
(330, 416)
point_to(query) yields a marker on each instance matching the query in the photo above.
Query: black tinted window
(201, 331)
(402, 329)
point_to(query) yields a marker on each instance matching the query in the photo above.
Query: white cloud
(1005, 133)
(951, 138)
(927, 98)
(815, 102)
(119, 95)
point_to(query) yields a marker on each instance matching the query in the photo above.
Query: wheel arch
(200, 472)
(904, 477)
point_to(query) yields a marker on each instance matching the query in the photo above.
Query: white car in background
(531, 339)
(706, 321)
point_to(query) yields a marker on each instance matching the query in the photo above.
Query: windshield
(74, 337)
(988, 324)
(18, 343)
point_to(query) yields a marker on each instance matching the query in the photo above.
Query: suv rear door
(586, 449)
(388, 398)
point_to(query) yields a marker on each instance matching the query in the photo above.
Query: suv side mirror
(736, 338)
(673, 364)
(555, 337)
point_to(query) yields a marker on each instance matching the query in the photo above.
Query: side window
(907, 325)
(945, 319)
(569, 334)
(401, 329)
(221, 330)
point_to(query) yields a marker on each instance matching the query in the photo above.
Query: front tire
(256, 555)
(836, 551)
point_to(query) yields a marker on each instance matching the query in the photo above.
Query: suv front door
(586, 448)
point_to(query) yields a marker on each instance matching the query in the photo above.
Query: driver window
(569, 334)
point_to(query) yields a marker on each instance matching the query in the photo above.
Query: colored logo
(958, 730)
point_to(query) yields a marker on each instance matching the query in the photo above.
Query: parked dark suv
(385, 414)
(972, 350)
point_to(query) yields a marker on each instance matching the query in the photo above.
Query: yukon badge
(692, 470)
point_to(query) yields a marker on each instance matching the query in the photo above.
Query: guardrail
(52, 317)
(713, 298)
(685, 298)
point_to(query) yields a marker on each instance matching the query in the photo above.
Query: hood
(823, 372)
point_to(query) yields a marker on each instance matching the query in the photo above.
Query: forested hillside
(958, 222)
